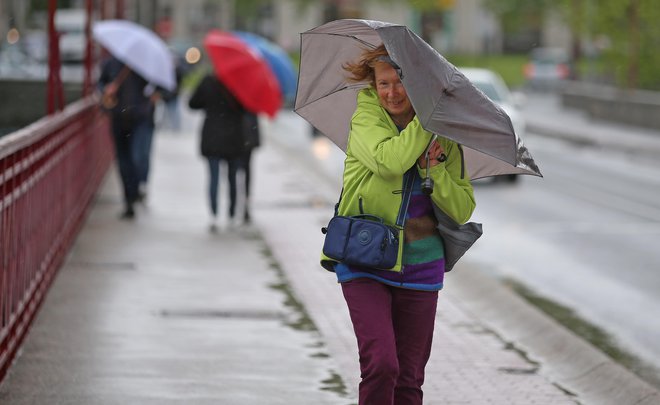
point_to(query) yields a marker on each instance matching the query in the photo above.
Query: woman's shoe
(213, 226)
(129, 213)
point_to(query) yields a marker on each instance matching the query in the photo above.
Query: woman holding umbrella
(129, 99)
(223, 138)
(140, 64)
(240, 86)
(393, 313)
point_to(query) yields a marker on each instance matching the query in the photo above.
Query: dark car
(547, 68)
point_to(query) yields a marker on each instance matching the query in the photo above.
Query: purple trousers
(394, 330)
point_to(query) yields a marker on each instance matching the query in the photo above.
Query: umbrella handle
(109, 101)
(427, 181)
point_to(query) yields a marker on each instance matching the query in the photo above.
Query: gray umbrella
(444, 100)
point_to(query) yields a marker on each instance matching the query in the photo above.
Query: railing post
(49, 172)
(55, 91)
(119, 9)
(89, 57)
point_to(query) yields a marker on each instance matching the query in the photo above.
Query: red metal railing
(49, 173)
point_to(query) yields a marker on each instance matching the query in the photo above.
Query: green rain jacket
(378, 156)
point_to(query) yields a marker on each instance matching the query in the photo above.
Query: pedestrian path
(162, 311)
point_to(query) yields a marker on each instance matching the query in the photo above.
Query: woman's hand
(436, 155)
(110, 90)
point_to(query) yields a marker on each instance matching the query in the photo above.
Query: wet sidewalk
(162, 311)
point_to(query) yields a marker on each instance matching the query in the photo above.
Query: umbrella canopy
(138, 48)
(244, 71)
(444, 100)
(278, 60)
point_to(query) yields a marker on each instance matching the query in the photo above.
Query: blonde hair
(363, 70)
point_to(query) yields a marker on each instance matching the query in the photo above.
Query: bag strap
(408, 180)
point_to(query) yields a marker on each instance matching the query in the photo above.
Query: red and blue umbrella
(278, 60)
(244, 71)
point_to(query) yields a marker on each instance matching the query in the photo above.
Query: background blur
(605, 41)
(584, 236)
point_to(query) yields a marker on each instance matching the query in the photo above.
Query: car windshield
(549, 55)
(489, 90)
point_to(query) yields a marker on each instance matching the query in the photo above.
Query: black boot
(129, 213)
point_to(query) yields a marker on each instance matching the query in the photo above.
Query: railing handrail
(28, 135)
(49, 173)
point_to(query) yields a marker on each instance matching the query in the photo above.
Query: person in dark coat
(222, 137)
(252, 141)
(129, 99)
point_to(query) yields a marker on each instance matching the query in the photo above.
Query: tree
(521, 21)
(631, 29)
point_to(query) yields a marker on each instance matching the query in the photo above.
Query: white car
(493, 86)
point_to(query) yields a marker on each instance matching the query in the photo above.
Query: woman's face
(392, 95)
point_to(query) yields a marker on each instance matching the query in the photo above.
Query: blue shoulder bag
(366, 240)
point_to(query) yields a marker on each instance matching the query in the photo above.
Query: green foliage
(631, 57)
(42, 5)
(431, 5)
(192, 79)
(510, 67)
(632, 54)
(246, 8)
(295, 58)
(575, 13)
(515, 15)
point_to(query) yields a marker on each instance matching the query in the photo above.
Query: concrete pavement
(160, 310)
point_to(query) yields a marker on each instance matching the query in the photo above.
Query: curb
(643, 145)
(575, 365)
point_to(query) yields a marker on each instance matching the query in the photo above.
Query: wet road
(585, 236)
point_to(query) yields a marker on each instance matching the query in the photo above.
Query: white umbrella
(139, 48)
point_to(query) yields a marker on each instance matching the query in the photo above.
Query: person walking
(129, 99)
(172, 113)
(393, 313)
(222, 138)
(252, 141)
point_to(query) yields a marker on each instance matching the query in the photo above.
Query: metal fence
(49, 173)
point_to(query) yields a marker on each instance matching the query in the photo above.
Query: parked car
(547, 68)
(493, 86)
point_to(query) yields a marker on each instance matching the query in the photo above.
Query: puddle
(518, 370)
(300, 320)
(215, 313)
(102, 266)
(334, 384)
